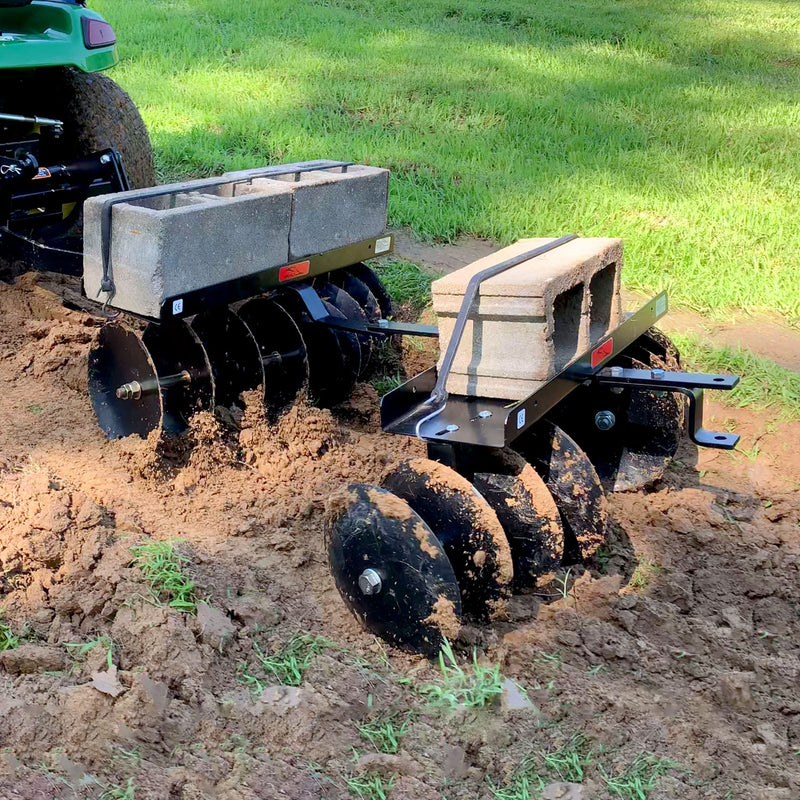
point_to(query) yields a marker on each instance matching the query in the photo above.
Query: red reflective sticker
(42, 173)
(602, 352)
(294, 271)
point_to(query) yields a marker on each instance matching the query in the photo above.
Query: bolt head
(658, 374)
(451, 428)
(604, 420)
(484, 414)
(369, 581)
(616, 372)
(105, 159)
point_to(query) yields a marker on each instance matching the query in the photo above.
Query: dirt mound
(266, 685)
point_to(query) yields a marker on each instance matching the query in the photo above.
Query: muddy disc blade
(334, 357)
(350, 309)
(282, 347)
(644, 436)
(527, 512)
(574, 485)
(412, 600)
(466, 526)
(233, 353)
(175, 348)
(117, 358)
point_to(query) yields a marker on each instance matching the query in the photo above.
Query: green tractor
(67, 132)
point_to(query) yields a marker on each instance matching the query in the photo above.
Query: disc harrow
(156, 377)
(546, 396)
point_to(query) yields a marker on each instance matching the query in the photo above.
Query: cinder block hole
(566, 325)
(601, 299)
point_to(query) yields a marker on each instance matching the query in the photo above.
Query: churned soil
(683, 641)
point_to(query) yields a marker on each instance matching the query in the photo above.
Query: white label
(383, 245)
(520, 418)
(661, 306)
(177, 306)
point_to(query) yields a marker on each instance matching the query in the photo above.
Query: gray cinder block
(529, 322)
(196, 235)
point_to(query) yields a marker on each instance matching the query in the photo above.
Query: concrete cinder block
(332, 209)
(196, 234)
(529, 322)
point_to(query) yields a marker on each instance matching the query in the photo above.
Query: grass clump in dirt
(385, 732)
(478, 685)
(764, 383)
(406, 283)
(526, 782)
(8, 639)
(82, 649)
(118, 792)
(371, 787)
(162, 567)
(287, 666)
(570, 761)
(640, 778)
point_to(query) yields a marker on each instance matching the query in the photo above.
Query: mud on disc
(466, 526)
(574, 484)
(417, 605)
(527, 512)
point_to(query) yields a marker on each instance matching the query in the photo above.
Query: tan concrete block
(529, 322)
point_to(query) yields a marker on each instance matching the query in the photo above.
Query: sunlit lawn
(670, 123)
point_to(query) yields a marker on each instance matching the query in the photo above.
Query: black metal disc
(574, 484)
(175, 348)
(117, 358)
(418, 603)
(334, 357)
(374, 284)
(350, 309)
(233, 353)
(282, 346)
(466, 526)
(359, 291)
(527, 512)
(646, 432)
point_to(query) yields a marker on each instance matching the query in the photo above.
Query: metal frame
(492, 422)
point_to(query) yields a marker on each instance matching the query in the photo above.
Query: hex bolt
(369, 581)
(105, 159)
(451, 428)
(616, 372)
(383, 323)
(657, 374)
(604, 420)
(484, 414)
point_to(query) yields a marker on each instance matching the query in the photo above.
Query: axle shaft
(138, 389)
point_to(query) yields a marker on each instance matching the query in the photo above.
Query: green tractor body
(55, 33)
(67, 132)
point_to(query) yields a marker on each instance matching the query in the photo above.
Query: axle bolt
(616, 372)
(604, 420)
(658, 374)
(105, 159)
(369, 581)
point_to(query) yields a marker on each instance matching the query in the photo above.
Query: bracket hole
(719, 380)
(720, 437)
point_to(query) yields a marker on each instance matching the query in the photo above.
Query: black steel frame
(492, 422)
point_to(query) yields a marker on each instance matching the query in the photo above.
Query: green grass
(764, 384)
(371, 787)
(674, 125)
(477, 685)
(288, 665)
(526, 783)
(162, 567)
(119, 792)
(8, 639)
(570, 761)
(640, 778)
(82, 649)
(406, 283)
(385, 732)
